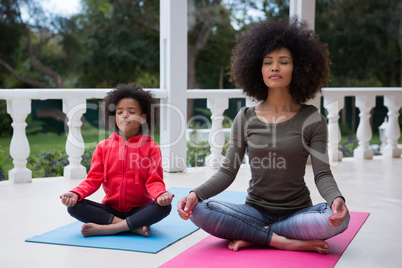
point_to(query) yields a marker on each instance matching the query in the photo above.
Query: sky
(61, 7)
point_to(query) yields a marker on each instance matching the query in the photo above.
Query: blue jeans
(244, 222)
(90, 211)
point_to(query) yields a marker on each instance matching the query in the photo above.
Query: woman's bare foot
(236, 245)
(284, 243)
(141, 231)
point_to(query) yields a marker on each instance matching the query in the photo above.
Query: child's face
(129, 117)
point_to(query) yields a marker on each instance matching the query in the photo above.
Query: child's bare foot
(141, 231)
(92, 229)
(236, 245)
(281, 242)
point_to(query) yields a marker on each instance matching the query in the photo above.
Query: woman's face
(277, 68)
(129, 117)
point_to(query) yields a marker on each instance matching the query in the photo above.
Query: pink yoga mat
(213, 252)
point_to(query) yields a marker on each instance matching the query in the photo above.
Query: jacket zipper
(122, 196)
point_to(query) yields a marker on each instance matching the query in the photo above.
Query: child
(129, 166)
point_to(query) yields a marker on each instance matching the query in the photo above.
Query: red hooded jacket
(130, 171)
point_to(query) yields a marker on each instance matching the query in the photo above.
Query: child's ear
(144, 118)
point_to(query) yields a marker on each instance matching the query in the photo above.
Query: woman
(282, 64)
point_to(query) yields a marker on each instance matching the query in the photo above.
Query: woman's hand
(164, 199)
(186, 204)
(69, 199)
(339, 210)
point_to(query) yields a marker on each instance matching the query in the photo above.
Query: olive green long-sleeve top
(277, 157)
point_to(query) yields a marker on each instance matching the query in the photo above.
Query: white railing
(217, 103)
(74, 106)
(365, 101)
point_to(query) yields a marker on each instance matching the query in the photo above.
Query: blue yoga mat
(162, 234)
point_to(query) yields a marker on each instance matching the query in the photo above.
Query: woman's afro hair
(145, 99)
(310, 58)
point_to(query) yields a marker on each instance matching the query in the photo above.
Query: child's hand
(69, 199)
(165, 199)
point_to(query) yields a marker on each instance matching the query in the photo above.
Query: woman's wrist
(194, 194)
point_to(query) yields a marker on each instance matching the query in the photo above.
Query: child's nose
(125, 114)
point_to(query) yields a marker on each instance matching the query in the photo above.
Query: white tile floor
(373, 186)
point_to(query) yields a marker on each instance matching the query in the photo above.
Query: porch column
(19, 108)
(333, 104)
(305, 10)
(173, 79)
(216, 136)
(364, 133)
(392, 132)
(74, 108)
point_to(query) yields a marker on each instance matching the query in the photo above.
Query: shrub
(87, 158)
(2, 160)
(197, 152)
(52, 163)
(5, 120)
(348, 146)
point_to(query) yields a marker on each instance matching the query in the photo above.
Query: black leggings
(90, 211)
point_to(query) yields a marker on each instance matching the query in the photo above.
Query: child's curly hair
(310, 58)
(145, 99)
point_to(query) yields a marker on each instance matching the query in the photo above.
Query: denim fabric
(309, 223)
(244, 222)
(90, 211)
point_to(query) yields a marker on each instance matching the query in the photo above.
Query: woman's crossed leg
(246, 226)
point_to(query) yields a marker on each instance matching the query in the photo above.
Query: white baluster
(19, 108)
(74, 108)
(216, 136)
(333, 104)
(364, 133)
(383, 137)
(251, 102)
(393, 103)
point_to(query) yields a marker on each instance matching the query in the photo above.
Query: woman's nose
(275, 67)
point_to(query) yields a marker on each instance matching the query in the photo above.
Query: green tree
(115, 48)
(362, 41)
(27, 47)
(10, 35)
(362, 37)
(213, 62)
